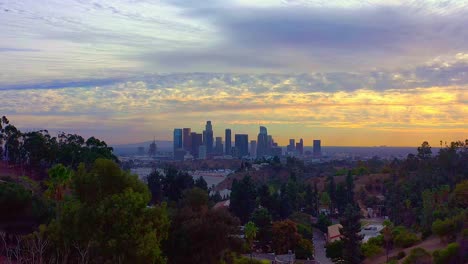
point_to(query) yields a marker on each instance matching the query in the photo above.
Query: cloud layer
(125, 70)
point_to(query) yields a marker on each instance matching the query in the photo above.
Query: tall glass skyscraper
(208, 137)
(262, 142)
(177, 139)
(227, 142)
(242, 144)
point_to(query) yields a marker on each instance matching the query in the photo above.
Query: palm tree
(250, 231)
(59, 178)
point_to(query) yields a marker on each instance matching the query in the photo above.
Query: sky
(349, 72)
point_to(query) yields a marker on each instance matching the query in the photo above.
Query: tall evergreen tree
(350, 188)
(351, 237)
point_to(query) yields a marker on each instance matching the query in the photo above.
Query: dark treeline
(38, 150)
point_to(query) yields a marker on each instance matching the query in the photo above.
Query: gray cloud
(311, 38)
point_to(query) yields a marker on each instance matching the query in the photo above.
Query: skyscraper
(177, 139)
(292, 146)
(187, 139)
(219, 146)
(300, 147)
(197, 141)
(242, 144)
(262, 142)
(227, 142)
(317, 148)
(253, 148)
(208, 137)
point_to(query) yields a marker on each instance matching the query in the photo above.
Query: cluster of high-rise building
(188, 144)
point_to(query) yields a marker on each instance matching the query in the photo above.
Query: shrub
(418, 256)
(334, 250)
(401, 255)
(403, 238)
(305, 231)
(370, 250)
(304, 249)
(447, 255)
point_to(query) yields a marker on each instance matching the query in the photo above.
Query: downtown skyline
(351, 73)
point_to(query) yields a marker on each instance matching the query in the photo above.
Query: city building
(262, 143)
(208, 137)
(177, 139)
(202, 152)
(300, 147)
(197, 141)
(227, 139)
(317, 148)
(242, 144)
(179, 154)
(219, 146)
(292, 145)
(187, 139)
(253, 148)
(276, 151)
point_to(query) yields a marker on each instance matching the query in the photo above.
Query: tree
(243, 197)
(418, 256)
(424, 151)
(262, 219)
(201, 183)
(107, 217)
(304, 249)
(201, 236)
(250, 231)
(334, 250)
(285, 236)
(350, 188)
(351, 237)
(155, 185)
(460, 194)
(59, 179)
(331, 189)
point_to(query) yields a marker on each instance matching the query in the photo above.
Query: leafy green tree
(107, 219)
(285, 236)
(341, 197)
(460, 194)
(304, 249)
(262, 219)
(201, 236)
(418, 256)
(57, 184)
(250, 232)
(243, 196)
(450, 254)
(351, 237)
(334, 250)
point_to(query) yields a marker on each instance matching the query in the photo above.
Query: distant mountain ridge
(163, 145)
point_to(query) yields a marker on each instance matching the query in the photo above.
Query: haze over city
(351, 73)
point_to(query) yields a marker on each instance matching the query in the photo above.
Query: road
(319, 245)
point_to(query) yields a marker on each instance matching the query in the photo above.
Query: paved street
(319, 244)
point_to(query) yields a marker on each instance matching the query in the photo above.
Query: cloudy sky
(349, 72)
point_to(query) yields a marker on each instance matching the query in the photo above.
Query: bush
(447, 255)
(378, 241)
(447, 229)
(305, 231)
(246, 260)
(370, 250)
(403, 238)
(401, 255)
(304, 249)
(334, 250)
(418, 256)
(323, 222)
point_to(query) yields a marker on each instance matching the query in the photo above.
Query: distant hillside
(126, 149)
